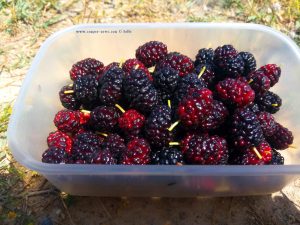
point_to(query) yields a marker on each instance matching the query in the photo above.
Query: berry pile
(215, 110)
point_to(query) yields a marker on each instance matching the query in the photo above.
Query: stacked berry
(139, 91)
(228, 62)
(185, 84)
(131, 122)
(110, 86)
(151, 53)
(131, 64)
(165, 81)
(195, 107)
(245, 128)
(157, 124)
(215, 110)
(205, 149)
(183, 64)
(88, 66)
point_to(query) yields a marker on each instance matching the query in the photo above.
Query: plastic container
(38, 102)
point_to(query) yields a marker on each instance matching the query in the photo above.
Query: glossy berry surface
(115, 144)
(104, 118)
(68, 100)
(86, 89)
(259, 82)
(108, 67)
(103, 157)
(249, 62)
(195, 107)
(216, 117)
(151, 53)
(183, 64)
(60, 140)
(67, 121)
(228, 61)
(269, 102)
(204, 56)
(277, 158)
(186, 83)
(235, 92)
(245, 128)
(137, 83)
(207, 73)
(272, 71)
(110, 86)
(55, 155)
(249, 157)
(85, 67)
(144, 102)
(157, 124)
(131, 122)
(282, 137)
(85, 146)
(167, 156)
(267, 123)
(139, 91)
(166, 80)
(137, 152)
(253, 107)
(205, 150)
(131, 64)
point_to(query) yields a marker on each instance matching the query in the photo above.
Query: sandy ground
(33, 198)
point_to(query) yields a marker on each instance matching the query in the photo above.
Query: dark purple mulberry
(85, 145)
(282, 138)
(165, 81)
(110, 86)
(86, 67)
(151, 53)
(68, 100)
(245, 128)
(228, 61)
(204, 56)
(115, 144)
(190, 81)
(183, 64)
(267, 123)
(208, 74)
(86, 89)
(104, 118)
(157, 124)
(216, 117)
(259, 82)
(55, 155)
(205, 150)
(103, 157)
(249, 62)
(269, 102)
(167, 156)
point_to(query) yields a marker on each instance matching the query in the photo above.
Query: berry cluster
(215, 110)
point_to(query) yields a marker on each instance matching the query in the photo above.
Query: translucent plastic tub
(38, 102)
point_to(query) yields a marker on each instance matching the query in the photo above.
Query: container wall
(38, 101)
(168, 186)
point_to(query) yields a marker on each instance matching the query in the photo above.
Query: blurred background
(27, 198)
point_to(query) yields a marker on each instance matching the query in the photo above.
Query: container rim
(187, 170)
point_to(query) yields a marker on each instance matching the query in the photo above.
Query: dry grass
(282, 15)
